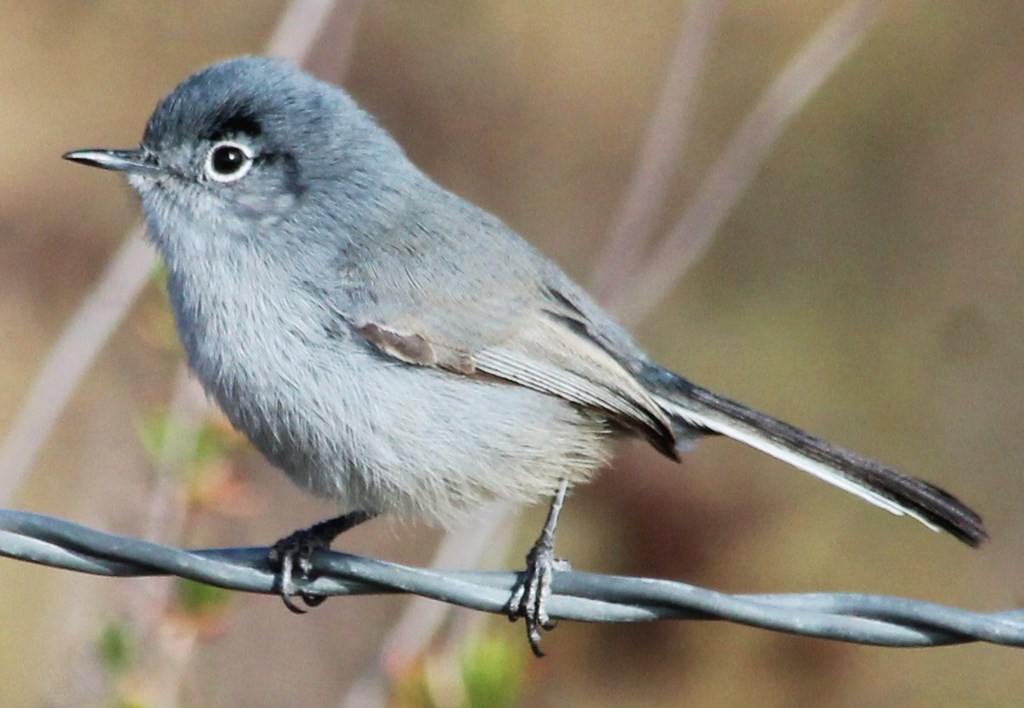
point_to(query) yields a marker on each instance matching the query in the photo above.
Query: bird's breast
(270, 354)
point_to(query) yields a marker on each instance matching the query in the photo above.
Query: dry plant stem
(165, 515)
(149, 600)
(323, 59)
(661, 155)
(734, 169)
(299, 28)
(189, 406)
(411, 635)
(67, 361)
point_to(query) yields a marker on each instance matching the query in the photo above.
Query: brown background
(868, 287)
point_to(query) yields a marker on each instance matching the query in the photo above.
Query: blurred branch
(299, 28)
(67, 361)
(412, 633)
(661, 154)
(855, 618)
(739, 162)
(421, 619)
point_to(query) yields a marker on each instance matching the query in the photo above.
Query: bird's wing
(443, 284)
(536, 343)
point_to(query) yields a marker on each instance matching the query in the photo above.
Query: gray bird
(397, 349)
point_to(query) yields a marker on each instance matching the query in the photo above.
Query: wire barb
(587, 597)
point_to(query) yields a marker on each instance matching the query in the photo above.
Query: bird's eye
(228, 161)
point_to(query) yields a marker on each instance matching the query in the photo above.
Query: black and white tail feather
(694, 408)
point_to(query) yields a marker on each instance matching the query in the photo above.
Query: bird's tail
(695, 408)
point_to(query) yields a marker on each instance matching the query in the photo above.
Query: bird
(399, 350)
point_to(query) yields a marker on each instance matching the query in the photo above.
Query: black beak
(131, 161)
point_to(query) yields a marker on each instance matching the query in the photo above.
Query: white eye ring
(228, 161)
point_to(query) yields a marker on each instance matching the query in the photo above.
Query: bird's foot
(530, 595)
(292, 557)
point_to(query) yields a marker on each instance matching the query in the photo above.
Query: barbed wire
(848, 617)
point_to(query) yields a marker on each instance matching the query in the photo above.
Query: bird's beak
(130, 161)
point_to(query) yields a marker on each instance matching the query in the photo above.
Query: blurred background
(867, 286)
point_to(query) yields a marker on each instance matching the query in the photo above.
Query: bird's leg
(530, 594)
(292, 555)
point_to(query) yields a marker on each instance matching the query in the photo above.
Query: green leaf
(116, 646)
(198, 598)
(209, 443)
(493, 672)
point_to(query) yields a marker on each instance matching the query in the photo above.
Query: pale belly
(345, 422)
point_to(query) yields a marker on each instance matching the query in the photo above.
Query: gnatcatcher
(390, 345)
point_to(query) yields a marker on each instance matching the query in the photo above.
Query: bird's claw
(531, 592)
(292, 558)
